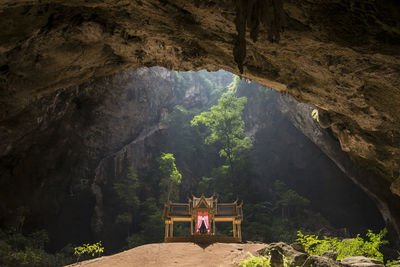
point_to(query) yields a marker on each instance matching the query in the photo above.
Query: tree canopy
(171, 177)
(226, 126)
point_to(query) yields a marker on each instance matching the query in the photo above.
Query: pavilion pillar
(234, 228)
(172, 229)
(214, 231)
(191, 227)
(166, 230)
(240, 231)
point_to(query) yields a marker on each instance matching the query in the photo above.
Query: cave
(80, 101)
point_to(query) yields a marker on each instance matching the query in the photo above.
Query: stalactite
(251, 14)
(239, 50)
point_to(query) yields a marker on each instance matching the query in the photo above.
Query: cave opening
(111, 133)
(282, 161)
(71, 132)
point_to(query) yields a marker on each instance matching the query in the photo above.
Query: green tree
(151, 225)
(226, 126)
(171, 176)
(127, 190)
(289, 199)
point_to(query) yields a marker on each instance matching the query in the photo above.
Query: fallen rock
(331, 255)
(319, 261)
(278, 252)
(299, 247)
(277, 258)
(361, 261)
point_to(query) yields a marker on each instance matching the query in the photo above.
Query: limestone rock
(298, 247)
(319, 261)
(278, 251)
(76, 141)
(361, 261)
(331, 255)
(395, 187)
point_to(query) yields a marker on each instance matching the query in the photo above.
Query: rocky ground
(220, 254)
(178, 254)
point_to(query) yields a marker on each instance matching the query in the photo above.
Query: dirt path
(178, 254)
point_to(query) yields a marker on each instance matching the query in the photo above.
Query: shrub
(88, 249)
(17, 249)
(253, 261)
(394, 263)
(345, 248)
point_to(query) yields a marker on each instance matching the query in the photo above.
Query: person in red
(203, 228)
(203, 224)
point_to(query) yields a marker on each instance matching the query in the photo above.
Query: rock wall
(64, 148)
(300, 115)
(290, 146)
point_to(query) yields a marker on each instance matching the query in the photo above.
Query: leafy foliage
(315, 115)
(226, 127)
(347, 247)
(394, 263)
(168, 168)
(253, 261)
(17, 249)
(171, 177)
(147, 194)
(289, 199)
(124, 218)
(91, 250)
(127, 189)
(151, 224)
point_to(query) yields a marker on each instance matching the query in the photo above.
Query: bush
(253, 261)
(345, 248)
(394, 263)
(17, 249)
(90, 250)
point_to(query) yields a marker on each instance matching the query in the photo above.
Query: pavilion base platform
(203, 239)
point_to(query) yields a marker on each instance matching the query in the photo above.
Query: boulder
(319, 261)
(279, 252)
(299, 247)
(331, 255)
(361, 261)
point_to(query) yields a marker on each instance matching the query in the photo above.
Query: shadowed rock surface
(278, 251)
(68, 147)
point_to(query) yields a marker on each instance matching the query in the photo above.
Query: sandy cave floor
(178, 254)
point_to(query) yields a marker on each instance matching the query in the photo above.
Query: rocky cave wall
(69, 145)
(343, 57)
(287, 149)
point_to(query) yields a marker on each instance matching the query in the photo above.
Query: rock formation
(279, 251)
(74, 143)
